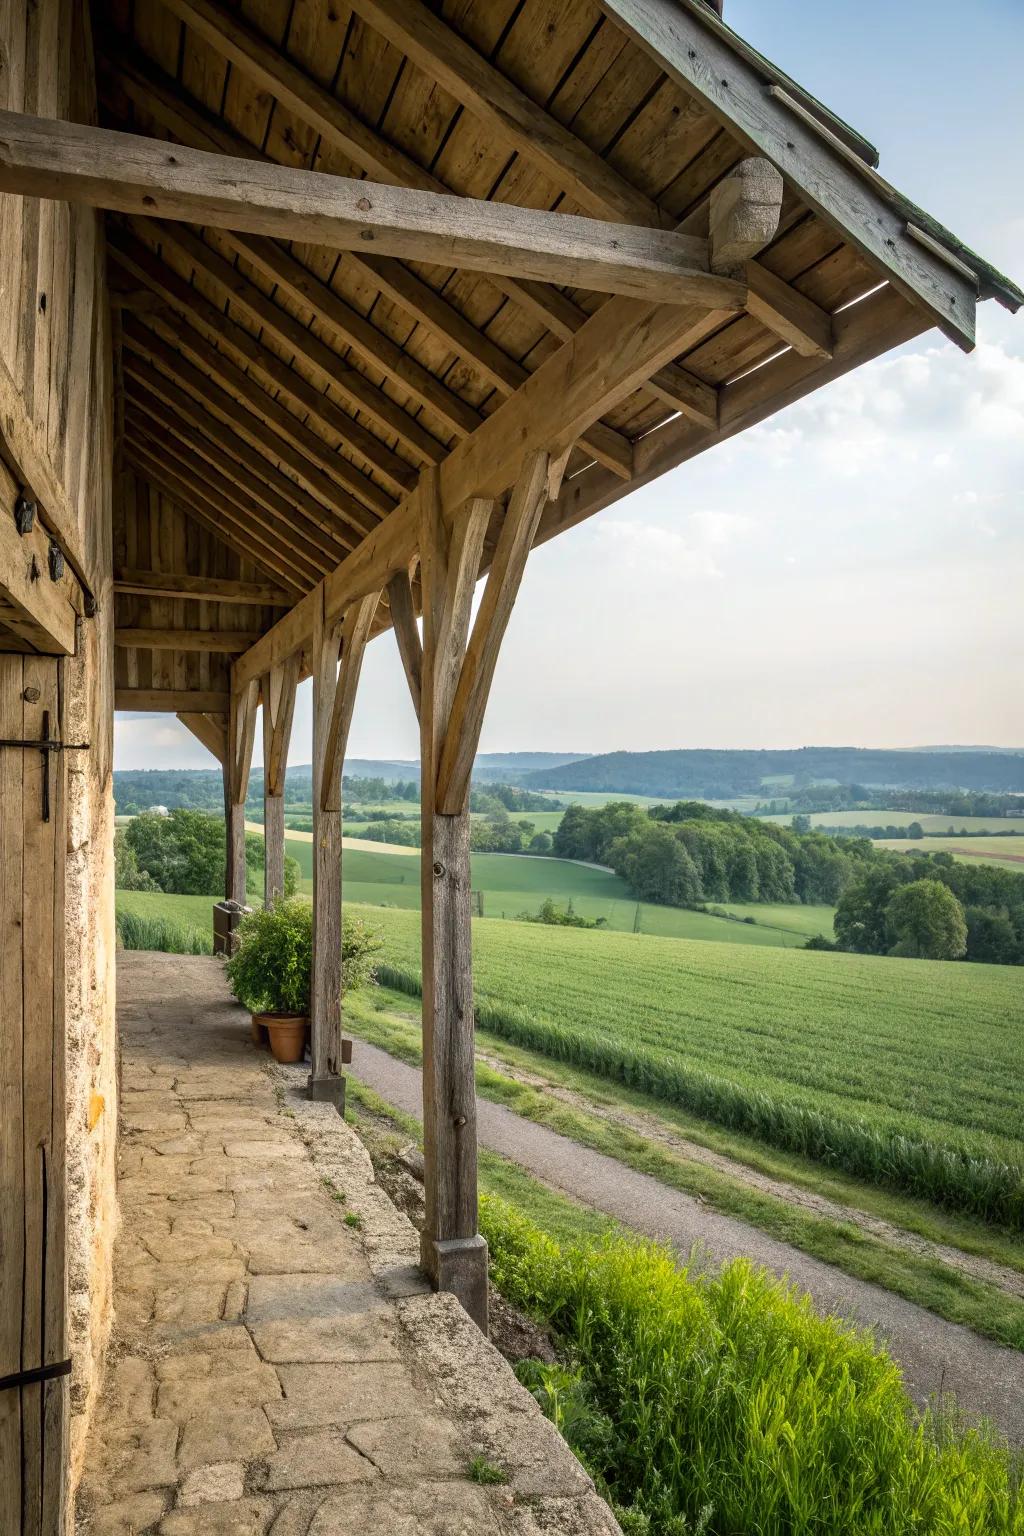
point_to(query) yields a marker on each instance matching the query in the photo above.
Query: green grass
(804, 921)
(512, 883)
(724, 1397)
(135, 931)
(905, 1073)
(928, 822)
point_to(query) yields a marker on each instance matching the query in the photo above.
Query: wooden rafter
(410, 646)
(210, 730)
(333, 509)
(274, 374)
(234, 457)
(361, 394)
(146, 639)
(41, 157)
(163, 102)
(186, 487)
(855, 200)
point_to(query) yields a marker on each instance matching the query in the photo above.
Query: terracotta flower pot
(287, 1033)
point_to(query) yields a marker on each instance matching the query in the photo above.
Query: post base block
(459, 1265)
(328, 1090)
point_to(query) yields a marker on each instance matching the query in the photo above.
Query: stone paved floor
(275, 1371)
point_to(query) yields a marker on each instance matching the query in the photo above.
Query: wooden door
(33, 1284)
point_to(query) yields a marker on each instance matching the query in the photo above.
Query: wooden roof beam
(173, 701)
(367, 501)
(221, 483)
(174, 423)
(620, 346)
(159, 99)
(227, 641)
(73, 162)
(359, 391)
(211, 731)
(206, 589)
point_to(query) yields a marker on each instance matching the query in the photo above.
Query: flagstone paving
(274, 1371)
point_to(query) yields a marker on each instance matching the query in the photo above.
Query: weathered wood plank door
(33, 1284)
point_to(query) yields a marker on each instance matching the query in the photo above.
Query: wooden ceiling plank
(352, 329)
(850, 197)
(371, 502)
(506, 110)
(292, 335)
(173, 701)
(218, 327)
(246, 535)
(236, 486)
(268, 451)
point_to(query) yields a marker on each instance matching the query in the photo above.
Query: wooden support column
(325, 1080)
(241, 734)
(278, 691)
(337, 660)
(454, 675)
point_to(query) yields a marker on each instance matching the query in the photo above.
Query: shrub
(270, 970)
(724, 1402)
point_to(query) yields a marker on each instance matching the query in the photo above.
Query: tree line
(689, 853)
(928, 802)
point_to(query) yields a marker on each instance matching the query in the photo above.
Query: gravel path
(936, 1356)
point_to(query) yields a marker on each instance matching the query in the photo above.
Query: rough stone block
(323, 1341)
(217, 1483)
(311, 1461)
(241, 1517)
(425, 1446)
(340, 1394)
(186, 1397)
(241, 1435)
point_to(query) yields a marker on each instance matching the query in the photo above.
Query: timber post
(241, 734)
(278, 690)
(452, 677)
(337, 662)
(325, 1080)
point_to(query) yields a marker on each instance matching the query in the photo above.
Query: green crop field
(1007, 852)
(904, 1072)
(512, 883)
(928, 823)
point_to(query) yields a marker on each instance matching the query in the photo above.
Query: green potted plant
(270, 973)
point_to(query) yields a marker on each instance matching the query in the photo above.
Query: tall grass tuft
(136, 932)
(726, 1399)
(942, 1173)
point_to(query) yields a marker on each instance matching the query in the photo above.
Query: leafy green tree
(915, 830)
(541, 842)
(183, 853)
(127, 874)
(860, 920)
(656, 866)
(926, 921)
(992, 938)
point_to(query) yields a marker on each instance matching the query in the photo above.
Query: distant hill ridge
(727, 774)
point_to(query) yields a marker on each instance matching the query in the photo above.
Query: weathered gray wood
(743, 214)
(210, 730)
(465, 719)
(452, 1252)
(278, 691)
(410, 647)
(241, 735)
(694, 50)
(40, 157)
(355, 632)
(33, 1285)
(325, 989)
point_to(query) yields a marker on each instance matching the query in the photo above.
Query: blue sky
(849, 572)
